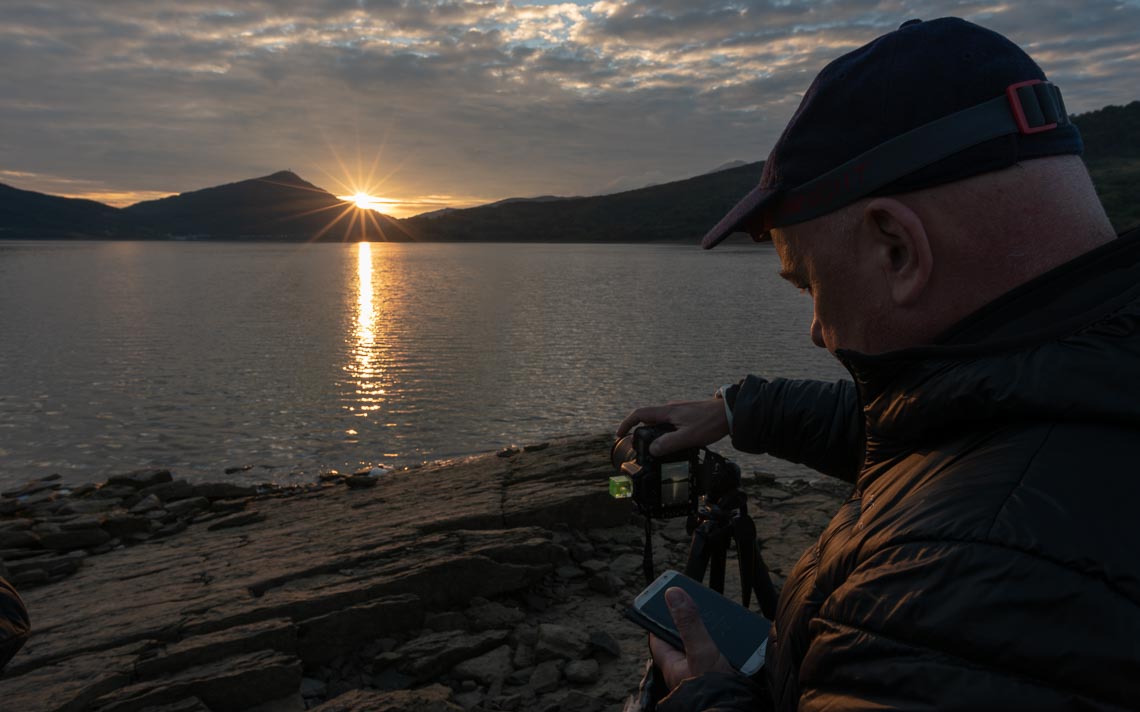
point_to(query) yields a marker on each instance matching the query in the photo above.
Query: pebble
(582, 672)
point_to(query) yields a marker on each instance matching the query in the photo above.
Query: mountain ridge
(284, 206)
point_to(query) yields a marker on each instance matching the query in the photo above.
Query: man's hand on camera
(701, 654)
(698, 423)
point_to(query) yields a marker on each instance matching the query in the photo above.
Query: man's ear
(900, 248)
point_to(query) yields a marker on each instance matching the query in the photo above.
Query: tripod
(713, 526)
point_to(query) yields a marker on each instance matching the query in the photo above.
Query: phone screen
(737, 631)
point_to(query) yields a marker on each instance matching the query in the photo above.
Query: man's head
(890, 272)
(910, 162)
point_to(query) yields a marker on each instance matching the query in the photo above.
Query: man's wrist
(727, 393)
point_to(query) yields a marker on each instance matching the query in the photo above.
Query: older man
(929, 196)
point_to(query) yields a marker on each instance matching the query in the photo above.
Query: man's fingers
(649, 416)
(667, 443)
(700, 650)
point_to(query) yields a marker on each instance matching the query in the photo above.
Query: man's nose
(817, 333)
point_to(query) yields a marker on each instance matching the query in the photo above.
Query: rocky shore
(491, 583)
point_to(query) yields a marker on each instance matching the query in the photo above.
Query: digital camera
(671, 485)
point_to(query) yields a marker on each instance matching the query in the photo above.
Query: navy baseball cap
(930, 103)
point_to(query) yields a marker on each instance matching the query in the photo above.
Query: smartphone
(740, 634)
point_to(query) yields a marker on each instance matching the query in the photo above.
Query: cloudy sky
(457, 103)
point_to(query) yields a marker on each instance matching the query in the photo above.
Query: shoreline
(490, 583)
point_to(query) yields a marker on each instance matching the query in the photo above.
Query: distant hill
(26, 214)
(678, 211)
(1112, 152)
(281, 206)
(682, 211)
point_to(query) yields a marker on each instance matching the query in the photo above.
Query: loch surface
(295, 358)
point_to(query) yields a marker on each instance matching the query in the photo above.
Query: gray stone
(435, 698)
(325, 637)
(190, 704)
(237, 520)
(606, 583)
(487, 668)
(74, 539)
(446, 620)
(581, 551)
(289, 703)
(432, 654)
(493, 615)
(569, 573)
(546, 677)
(627, 566)
(174, 527)
(560, 642)
(16, 524)
(524, 656)
(361, 481)
(28, 578)
(73, 683)
(19, 540)
(391, 679)
(594, 566)
(313, 688)
(113, 492)
(34, 487)
(141, 478)
(148, 503)
(277, 634)
(582, 672)
(169, 491)
(223, 490)
(605, 643)
(125, 526)
(88, 506)
(188, 506)
(468, 700)
(229, 685)
(52, 564)
(578, 701)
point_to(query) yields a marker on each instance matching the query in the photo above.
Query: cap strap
(1026, 108)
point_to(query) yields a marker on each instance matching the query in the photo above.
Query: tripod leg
(716, 573)
(765, 590)
(698, 559)
(744, 533)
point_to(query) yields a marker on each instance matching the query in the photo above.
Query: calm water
(298, 358)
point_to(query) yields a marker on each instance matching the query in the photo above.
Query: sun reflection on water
(367, 367)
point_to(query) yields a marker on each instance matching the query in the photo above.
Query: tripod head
(716, 523)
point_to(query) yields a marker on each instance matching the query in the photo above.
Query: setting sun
(364, 201)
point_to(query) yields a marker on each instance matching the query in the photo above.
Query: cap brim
(748, 206)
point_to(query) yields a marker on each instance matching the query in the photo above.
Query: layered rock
(467, 585)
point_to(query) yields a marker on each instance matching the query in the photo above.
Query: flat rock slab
(438, 535)
(443, 573)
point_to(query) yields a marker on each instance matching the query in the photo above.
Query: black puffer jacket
(14, 626)
(989, 557)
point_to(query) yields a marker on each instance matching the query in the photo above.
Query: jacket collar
(1062, 347)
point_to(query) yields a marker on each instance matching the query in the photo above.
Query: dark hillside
(1112, 152)
(26, 214)
(280, 206)
(680, 211)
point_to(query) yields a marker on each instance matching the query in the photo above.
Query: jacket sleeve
(717, 692)
(813, 423)
(14, 625)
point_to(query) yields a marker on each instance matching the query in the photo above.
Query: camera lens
(622, 452)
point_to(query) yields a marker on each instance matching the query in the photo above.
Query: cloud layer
(458, 102)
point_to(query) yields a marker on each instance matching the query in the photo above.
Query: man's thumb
(687, 617)
(663, 445)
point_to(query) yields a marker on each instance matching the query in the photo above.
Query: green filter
(621, 487)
